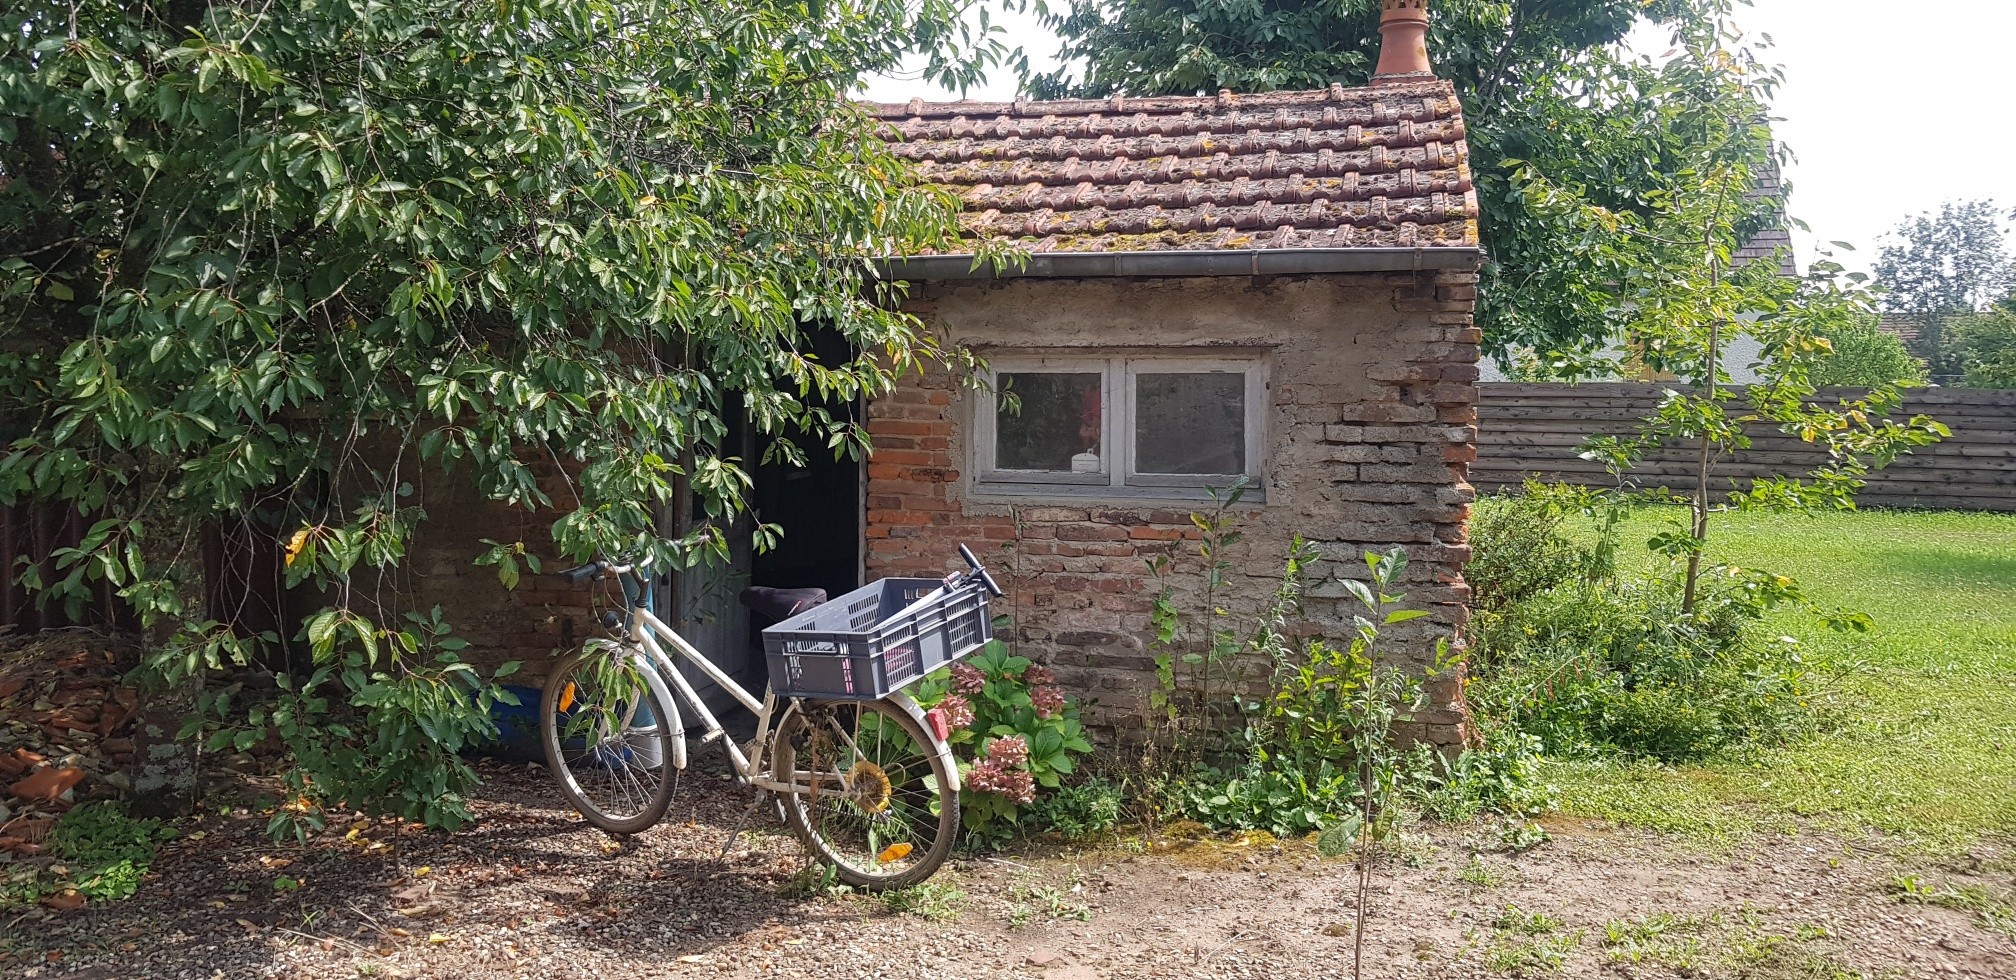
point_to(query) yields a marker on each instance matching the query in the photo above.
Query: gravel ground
(531, 891)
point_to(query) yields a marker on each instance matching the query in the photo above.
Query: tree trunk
(1704, 464)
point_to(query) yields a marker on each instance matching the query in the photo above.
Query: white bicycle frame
(649, 638)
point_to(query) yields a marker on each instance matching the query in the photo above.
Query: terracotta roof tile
(1330, 168)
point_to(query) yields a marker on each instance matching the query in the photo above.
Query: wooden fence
(32, 534)
(1532, 430)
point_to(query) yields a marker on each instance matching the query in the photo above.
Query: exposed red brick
(903, 457)
(903, 427)
(1091, 532)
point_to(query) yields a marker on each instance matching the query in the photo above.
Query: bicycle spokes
(607, 739)
(870, 796)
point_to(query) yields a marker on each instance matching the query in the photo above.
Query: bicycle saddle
(780, 604)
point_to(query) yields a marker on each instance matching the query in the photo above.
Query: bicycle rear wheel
(874, 799)
(608, 738)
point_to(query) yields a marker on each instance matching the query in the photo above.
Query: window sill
(1101, 493)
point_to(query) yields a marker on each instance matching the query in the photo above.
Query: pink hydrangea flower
(1010, 751)
(958, 711)
(966, 680)
(1019, 785)
(985, 775)
(1048, 699)
(1038, 674)
(991, 776)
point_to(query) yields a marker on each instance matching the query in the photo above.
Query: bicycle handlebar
(980, 570)
(597, 569)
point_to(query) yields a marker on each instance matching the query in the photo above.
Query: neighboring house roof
(1351, 168)
(1908, 327)
(1775, 239)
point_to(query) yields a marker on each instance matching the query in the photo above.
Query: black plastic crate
(876, 639)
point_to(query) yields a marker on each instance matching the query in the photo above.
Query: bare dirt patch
(529, 890)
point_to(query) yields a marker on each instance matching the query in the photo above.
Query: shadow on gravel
(528, 873)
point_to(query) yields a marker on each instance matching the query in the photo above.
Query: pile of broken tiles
(66, 719)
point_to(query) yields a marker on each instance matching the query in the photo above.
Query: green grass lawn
(1924, 747)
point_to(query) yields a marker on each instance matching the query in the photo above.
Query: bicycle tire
(908, 792)
(642, 810)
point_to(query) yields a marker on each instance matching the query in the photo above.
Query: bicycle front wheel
(608, 738)
(872, 797)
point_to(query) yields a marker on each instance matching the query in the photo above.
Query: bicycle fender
(674, 728)
(944, 751)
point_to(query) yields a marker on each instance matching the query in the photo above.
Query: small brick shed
(1274, 287)
(1277, 286)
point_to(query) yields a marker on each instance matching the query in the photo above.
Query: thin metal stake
(742, 822)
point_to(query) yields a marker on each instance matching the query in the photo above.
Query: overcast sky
(1890, 108)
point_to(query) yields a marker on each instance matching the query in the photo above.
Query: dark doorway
(818, 505)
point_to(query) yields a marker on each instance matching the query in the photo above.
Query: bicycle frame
(650, 637)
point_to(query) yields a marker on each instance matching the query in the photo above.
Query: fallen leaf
(693, 958)
(67, 900)
(438, 938)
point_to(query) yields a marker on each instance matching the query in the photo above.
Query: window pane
(1059, 422)
(1190, 423)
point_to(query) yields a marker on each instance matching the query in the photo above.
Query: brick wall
(1371, 427)
(534, 623)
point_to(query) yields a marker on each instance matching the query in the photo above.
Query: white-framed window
(1146, 425)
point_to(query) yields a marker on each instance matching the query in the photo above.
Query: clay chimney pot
(1403, 42)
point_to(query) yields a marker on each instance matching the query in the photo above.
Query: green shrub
(1078, 812)
(1865, 356)
(1315, 752)
(1611, 665)
(100, 850)
(1014, 733)
(1518, 551)
(390, 742)
(1985, 344)
(1286, 800)
(1501, 777)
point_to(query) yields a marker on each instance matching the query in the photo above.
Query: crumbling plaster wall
(1370, 431)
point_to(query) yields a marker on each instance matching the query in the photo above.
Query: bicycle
(869, 785)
